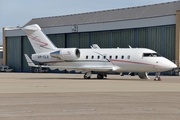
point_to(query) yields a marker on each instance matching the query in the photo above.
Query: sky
(15, 13)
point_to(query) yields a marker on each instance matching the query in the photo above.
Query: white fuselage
(127, 60)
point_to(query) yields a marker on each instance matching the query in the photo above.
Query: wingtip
(29, 61)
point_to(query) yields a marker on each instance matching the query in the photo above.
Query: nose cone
(171, 65)
(165, 65)
(168, 65)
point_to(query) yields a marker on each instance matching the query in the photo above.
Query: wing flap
(80, 68)
(84, 68)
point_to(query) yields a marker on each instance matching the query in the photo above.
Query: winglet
(129, 46)
(95, 46)
(29, 61)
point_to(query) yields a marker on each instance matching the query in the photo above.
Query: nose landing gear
(157, 78)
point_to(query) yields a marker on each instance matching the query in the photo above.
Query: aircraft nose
(165, 65)
(171, 65)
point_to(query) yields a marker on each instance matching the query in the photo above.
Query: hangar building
(152, 26)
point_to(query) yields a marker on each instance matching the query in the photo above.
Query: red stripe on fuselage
(125, 61)
(113, 60)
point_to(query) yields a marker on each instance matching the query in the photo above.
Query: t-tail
(39, 41)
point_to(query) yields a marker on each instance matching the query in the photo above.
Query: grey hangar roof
(124, 14)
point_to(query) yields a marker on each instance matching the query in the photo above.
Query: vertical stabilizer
(39, 41)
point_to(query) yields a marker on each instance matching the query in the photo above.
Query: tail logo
(68, 53)
(38, 41)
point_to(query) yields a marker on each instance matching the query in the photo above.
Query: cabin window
(110, 57)
(86, 57)
(104, 57)
(122, 57)
(128, 57)
(98, 57)
(92, 57)
(116, 57)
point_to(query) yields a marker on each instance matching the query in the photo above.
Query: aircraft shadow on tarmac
(82, 79)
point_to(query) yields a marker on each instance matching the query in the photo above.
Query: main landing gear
(99, 75)
(157, 78)
(87, 75)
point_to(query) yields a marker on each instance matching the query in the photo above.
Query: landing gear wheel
(105, 75)
(100, 76)
(157, 78)
(85, 77)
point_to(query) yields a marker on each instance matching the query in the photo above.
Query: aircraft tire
(100, 76)
(85, 77)
(105, 75)
(157, 79)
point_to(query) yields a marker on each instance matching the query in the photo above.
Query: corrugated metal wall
(14, 53)
(141, 37)
(103, 39)
(160, 39)
(26, 49)
(169, 42)
(72, 40)
(117, 39)
(155, 39)
(84, 40)
(58, 40)
(1, 54)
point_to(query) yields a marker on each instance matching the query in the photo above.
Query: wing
(82, 69)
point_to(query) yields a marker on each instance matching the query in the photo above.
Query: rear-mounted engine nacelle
(66, 54)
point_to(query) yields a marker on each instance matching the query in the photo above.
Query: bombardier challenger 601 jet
(94, 59)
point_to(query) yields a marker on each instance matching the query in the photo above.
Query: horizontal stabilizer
(29, 61)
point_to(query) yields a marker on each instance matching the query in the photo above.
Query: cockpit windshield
(151, 55)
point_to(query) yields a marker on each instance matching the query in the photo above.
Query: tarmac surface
(32, 96)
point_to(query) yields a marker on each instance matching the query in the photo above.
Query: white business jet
(94, 59)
